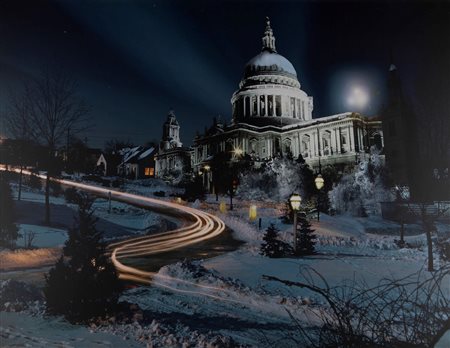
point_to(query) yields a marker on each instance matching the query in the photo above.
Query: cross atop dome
(268, 38)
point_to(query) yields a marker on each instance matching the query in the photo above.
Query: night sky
(134, 60)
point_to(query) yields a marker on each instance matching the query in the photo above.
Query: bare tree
(408, 312)
(55, 109)
(428, 215)
(17, 122)
(113, 146)
(28, 238)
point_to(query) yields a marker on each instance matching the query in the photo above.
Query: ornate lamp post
(319, 184)
(233, 187)
(295, 201)
(206, 178)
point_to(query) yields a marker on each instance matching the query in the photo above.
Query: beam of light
(205, 226)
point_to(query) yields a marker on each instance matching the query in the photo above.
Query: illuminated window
(149, 171)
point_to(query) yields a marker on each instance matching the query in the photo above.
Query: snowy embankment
(229, 291)
(225, 300)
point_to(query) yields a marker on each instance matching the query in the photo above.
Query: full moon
(357, 98)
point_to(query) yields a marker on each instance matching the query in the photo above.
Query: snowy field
(230, 292)
(226, 301)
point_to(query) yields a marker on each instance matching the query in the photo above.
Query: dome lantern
(268, 38)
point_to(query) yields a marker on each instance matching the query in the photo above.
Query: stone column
(352, 137)
(339, 140)
(333, 141)
(316, 143)
(266, 106)
(361, 134)
(257, 106)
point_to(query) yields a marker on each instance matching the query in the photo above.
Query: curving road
(199, 226)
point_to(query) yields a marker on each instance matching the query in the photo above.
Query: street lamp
(319, 184)
(238, 151)
(295, 201)
(233, 187)
(206, 178)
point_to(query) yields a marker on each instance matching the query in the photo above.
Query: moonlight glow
(358, 98)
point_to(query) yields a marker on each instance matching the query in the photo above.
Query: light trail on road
(204, 226)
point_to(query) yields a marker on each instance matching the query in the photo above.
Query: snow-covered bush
(360, 192)
(276, 180)
(16, 295)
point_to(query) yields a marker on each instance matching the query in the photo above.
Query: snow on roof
(146, 153)
(131, 153)
(267, 59)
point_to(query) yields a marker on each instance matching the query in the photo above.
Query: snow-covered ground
(199, 303)
(231, 294)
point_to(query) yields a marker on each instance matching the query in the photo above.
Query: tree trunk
(19, 194)
(402, 232)
(231, 199)
(47, 199)
(430, 249)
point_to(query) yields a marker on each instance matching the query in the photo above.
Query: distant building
(172, 158)
(107, 164)
(137, 163)
(272, 116)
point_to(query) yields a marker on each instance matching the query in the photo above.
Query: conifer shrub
(306, 238)
(8, 229)
(83, 284)
(272, 246)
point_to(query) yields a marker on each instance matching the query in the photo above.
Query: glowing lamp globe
(238, 151)
(295, 201)
(207, 168)
(319, 182)
(252, 213)
(222, 207)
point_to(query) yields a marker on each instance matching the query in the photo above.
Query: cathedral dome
(269, 62)
(270, 89)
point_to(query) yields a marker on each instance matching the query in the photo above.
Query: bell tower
(171, 133)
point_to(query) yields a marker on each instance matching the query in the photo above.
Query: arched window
(262, 105)
(253, 146)
(287, 150)
(277, 146)
(326, 143)
(247, 106)
(306, 142)
(270, 105)
(278, 105)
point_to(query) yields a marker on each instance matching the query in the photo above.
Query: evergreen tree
(194, 189)
(83, 283)
(8, 230)
(272, 246)
(306, 238)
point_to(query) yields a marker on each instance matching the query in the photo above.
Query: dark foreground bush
(71, 195)
(83, 284)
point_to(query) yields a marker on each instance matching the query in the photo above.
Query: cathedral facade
(272, 116)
